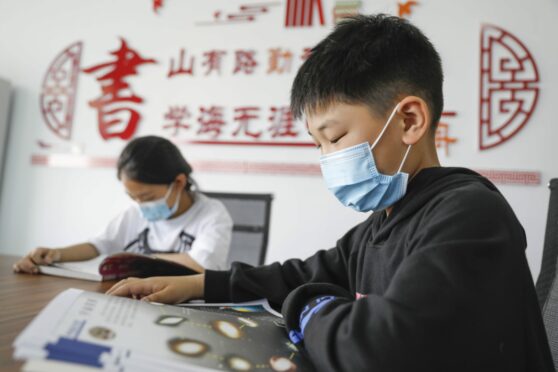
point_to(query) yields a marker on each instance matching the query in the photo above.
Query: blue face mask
(158, 210)
(352, 176)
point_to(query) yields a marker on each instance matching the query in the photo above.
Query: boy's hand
(164, 289)
(38, 256)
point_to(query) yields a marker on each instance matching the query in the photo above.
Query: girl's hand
(164, 289)
(38, 256)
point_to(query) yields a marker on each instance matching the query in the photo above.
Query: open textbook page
(86, 270)
(120, 334)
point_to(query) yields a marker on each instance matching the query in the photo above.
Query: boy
(436, 278)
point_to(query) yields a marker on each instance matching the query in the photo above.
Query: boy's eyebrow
(326, 124)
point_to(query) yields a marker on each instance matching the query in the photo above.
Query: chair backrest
(251, 215)
(547, 282)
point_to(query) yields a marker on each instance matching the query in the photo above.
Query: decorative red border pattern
(512, 177)
(502, 177)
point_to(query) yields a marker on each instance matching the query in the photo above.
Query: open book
(116, 266)
(89, 330)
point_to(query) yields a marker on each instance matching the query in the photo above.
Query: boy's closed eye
(336, 139)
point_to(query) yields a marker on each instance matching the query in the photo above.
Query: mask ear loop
(177, 202)
(169, 191)
(385, 127)
(404, 158)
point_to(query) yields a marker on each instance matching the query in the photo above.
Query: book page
(120, 333)
(89, 266)
(255, 306)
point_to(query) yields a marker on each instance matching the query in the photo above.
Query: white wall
(45, 206)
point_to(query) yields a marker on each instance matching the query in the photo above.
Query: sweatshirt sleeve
(274, 282)
(460, 293)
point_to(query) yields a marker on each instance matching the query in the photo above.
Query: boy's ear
(416, 119)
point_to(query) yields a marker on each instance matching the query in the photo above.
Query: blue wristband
(305, 316)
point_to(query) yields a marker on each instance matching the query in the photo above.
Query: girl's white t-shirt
(203, 231)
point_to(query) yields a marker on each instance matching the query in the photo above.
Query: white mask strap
(385, 127)
(169, 191)
(404, 158)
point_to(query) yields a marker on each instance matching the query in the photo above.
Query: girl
(171, 220)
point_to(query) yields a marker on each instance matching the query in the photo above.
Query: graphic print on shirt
(141, 244)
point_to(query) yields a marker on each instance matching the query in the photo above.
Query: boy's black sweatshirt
(441, 284)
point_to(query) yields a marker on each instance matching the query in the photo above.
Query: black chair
(547, 283)
(251, 215)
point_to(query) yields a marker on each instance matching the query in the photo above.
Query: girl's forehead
(134, 186)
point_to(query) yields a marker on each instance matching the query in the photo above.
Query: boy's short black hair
(370, 60)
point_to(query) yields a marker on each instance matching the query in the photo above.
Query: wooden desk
(22, 296)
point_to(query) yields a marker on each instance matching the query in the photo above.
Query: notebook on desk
(116, 266)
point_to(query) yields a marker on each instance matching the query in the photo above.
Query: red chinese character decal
(279, 60)
(177, 115)
(442, 137)
(213, 59)
(300, 13)
(181, 69)
(406, 8)
(344, 9)
(243, 115)
(282, 122)
(508, 86)
(157, 4)
(116, 120)
(211, 121)
(245, 62)
(59, 91)
(305, 54)
(246, 13)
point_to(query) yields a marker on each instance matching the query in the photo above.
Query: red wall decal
(59, 90)
(406, 8)
(181, 68)
(245, 13)
(177, 115)
(503, 177)
(300, 13)
(157, 4)
(508, 86)
(116, 120)
(442, 137)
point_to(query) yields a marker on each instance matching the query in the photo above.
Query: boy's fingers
(159, 296)
(119, 284)
(129, 287)
(122, 290)
(116, 286)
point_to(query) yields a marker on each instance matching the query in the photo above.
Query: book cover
(116, 266)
